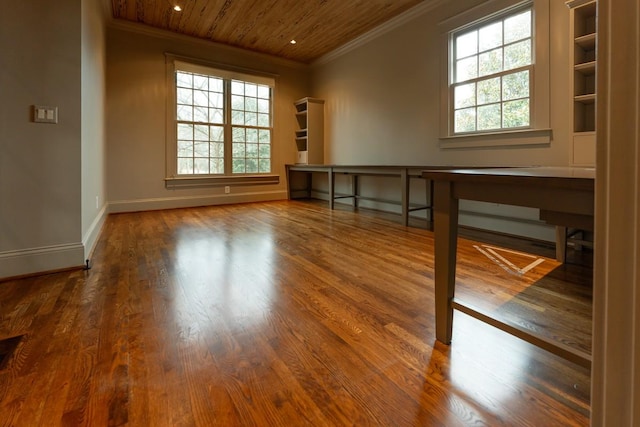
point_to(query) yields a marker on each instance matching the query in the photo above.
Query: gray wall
(136, 118)
(382, 107)
(40, 164)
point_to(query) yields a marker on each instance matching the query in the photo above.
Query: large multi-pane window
(223, 122)
(491, 73)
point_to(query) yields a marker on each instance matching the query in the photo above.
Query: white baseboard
(35, 260)
(120, 206)
(91, 236)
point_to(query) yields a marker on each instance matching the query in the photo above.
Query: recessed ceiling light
(293, 42)
(177, 8)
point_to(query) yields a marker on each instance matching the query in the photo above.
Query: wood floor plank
(288, 313)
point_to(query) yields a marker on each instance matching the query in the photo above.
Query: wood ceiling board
(267, 26)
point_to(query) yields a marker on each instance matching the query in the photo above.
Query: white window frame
(538, 132)
(176, 63)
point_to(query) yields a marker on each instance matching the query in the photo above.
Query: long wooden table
(565, 197)
(404, 173)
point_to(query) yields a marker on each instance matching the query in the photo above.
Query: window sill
(537, 137)
(219, 181)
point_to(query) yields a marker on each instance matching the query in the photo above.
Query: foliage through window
(223, 122)
(492, 71)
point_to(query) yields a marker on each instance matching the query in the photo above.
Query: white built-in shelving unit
(583, 88)
(310, 132)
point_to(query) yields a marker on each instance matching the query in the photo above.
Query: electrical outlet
(97, 202)
(227, 189)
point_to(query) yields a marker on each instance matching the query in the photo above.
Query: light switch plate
(44, 114)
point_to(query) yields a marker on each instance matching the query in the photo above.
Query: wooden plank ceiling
(267, 26)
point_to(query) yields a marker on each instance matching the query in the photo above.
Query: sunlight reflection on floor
(221, 278)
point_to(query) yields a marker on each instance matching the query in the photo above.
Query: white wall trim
(46, 258)
(615, 373)
(90, 238)
(380, 30)
(120, 206)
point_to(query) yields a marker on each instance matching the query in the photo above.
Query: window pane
(185, 96)
(489, 117)
(517, 27)
(467, 44)
(217, 149)
(250, 90)
(201, 166)
(263, 120)
(201, 149)
(238, 135)
(251, 119)
(185, 131)
(237, 88)
(252, 135)
(185, 166)
(238, 166)
(490, 36)
(237, 102)
(216, 115)
(185, 113)
(516, 113)
(215, 84)
(517, 55)
(251, 166)
(184, 79)
(467, 69)
(264, 136)
(200, 82)
(252, 150)
(490, 62)
(185, 148)
(216, 133)
(264, 165)
(515, 85)
(216, 166)
(238, 149)
(201, 133)
(200, 98)
(200, 114)
(264, 92)
(489, 91)
(216, 100)
(465, 120)
(264, 151)
(251, 104)
(237, 117)
(465, 95)
(263, 106)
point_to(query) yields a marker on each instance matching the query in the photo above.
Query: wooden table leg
(561, 243)
(332, 188)
(354, 190)
(309, 183)
(445, 213)
(404, 185)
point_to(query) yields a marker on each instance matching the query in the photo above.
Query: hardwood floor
(286, 314)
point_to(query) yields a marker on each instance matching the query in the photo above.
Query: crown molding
(392, 24)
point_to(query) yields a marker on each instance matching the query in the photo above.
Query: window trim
(172, 179)
(539, 132)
